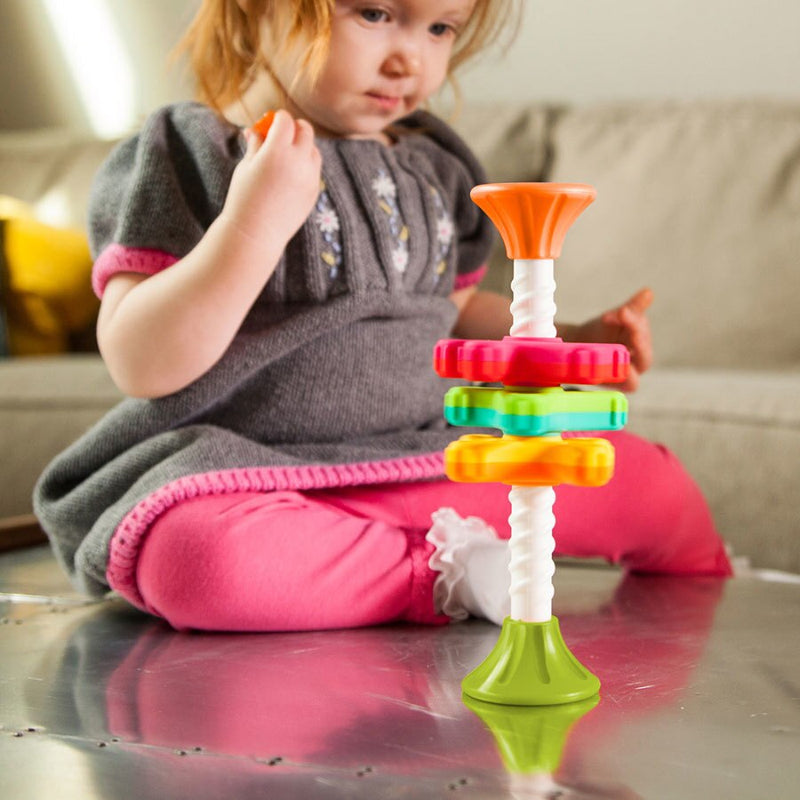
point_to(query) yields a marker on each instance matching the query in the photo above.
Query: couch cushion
(511, 141)
(738, 434)
(700, 201)
(45, 404)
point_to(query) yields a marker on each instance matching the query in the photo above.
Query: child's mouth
(383, 101)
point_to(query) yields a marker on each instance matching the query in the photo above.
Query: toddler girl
(271, 307)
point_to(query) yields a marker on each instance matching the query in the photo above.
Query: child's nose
(405, 59)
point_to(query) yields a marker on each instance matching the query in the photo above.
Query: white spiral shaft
(532, 544)
(533, 311)
(533, 308)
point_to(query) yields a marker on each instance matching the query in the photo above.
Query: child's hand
(275, 185)
(627, 324)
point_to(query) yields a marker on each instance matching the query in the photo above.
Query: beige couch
(700, 201)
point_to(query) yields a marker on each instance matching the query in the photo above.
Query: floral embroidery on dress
(327, 221)
(444, 234)
(386, 191)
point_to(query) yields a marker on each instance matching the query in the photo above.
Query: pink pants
(358, 556)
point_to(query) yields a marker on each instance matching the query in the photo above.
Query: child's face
(386, 58)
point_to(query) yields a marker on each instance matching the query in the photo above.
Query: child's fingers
(639, 339)
(257, 133)
(638, 304)
(641, 301)
(304, 140)
(284, 131)
(251, 142)
(305, 144)
(303, 132)
(282, 128)
(278, 133)
(632, 381)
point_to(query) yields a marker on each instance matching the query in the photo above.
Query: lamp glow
(98, 62)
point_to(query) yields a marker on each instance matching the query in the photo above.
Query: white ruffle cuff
(473, 566)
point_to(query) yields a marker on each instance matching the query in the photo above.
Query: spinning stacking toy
(531, 664)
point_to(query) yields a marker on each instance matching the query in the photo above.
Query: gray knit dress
(329, 381)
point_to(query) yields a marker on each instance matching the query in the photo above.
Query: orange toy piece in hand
(264, 124)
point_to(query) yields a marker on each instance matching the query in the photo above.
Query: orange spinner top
(533, 218)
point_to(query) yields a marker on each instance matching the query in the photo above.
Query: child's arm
(158, 334)
(486, 315)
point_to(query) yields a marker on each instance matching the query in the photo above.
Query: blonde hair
(224, 42)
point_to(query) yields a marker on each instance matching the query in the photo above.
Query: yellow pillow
(46, 282)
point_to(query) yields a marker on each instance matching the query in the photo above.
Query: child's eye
(441, 29)
(373, 15)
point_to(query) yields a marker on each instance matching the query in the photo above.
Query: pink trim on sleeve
(471, 278)
(131, 532)
(118, 258)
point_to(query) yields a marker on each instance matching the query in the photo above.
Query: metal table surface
(700, 698)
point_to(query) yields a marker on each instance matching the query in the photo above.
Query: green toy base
(530, 666)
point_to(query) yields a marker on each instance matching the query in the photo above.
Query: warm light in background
(98, 61)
